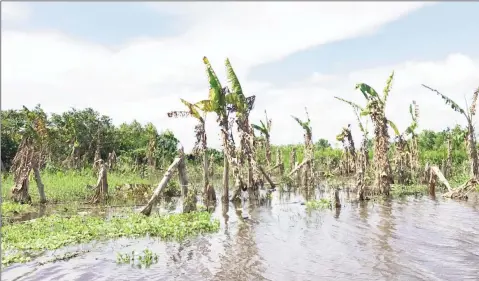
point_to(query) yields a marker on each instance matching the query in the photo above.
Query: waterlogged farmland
(83, 199)
(406, 238)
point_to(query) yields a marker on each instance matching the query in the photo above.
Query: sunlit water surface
(402, 239)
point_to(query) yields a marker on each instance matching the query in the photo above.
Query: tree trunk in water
(41, 187)
(336, 202)
(448, 168)
(166, 178)
(206, 188)
(267, 147)
(189, 196)
(361, 170)
(226, 170)
(381, 148)
(472, 149)
(211, 167)
(268, 179)
(298, 167)
(101, 193)
(292, 159)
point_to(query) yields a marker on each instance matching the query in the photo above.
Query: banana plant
(265, 131)
(468, 114)
(218, 100)
(308, 146)
(241, 105)
(375, 109)
(200, 147)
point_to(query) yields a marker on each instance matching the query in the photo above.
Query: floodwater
(413, 238)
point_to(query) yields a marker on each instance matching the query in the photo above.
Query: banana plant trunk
(472, 149)
(381, 148)
(267, 147)
(361, 165)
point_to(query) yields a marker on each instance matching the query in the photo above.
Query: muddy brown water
(413, 238)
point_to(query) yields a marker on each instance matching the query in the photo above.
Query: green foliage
(405, 190)
(11, 208)
(320, 204)
(71, 185)
(53, 232)
(79, 131)
(147, 259)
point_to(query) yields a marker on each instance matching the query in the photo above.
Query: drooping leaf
(192, 108)
(179, 114)
(394, 127)
(262, 130)
(354, 105)
(205, 105)
(448, 101)
(368, 92)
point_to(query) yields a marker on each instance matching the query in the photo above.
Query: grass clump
(406, 190)
(320, 204)
(146, 259)
(53, 232)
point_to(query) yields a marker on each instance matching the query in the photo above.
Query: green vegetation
(404, 190)
(320, 204)
(21, 240)
(11, 208)
(147, 259)
(79, 157)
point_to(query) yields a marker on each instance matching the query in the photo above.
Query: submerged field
(412, 237)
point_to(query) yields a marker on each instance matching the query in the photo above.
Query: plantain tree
(217, 103)
(469, 113)
(375, 109)
(200, 147)
(241, 105)
(265, 131)
(346, 138)
(30, 155)
(362, 158)
(308, 148)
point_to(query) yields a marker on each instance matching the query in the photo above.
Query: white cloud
(15, 11)
(145, 78)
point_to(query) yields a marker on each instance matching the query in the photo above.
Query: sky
(136, 60)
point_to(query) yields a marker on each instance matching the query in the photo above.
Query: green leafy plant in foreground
(147, 259)
(53, 232)
(11, 208)
(320, 204)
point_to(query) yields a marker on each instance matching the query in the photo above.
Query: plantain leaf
(365, 112)
(368, 92)
(235, 88)
(388, 87)
(394, 127)
(216, 94)
(354, 105)
(262, 130)
(192, 108)
(205, 105)
(448, 101)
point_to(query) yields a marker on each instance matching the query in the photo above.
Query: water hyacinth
(53, 232)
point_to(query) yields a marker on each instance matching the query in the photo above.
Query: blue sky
(141, 57)
(426, 34)
(429, 33)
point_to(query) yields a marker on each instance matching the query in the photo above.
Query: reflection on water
(405, 239)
